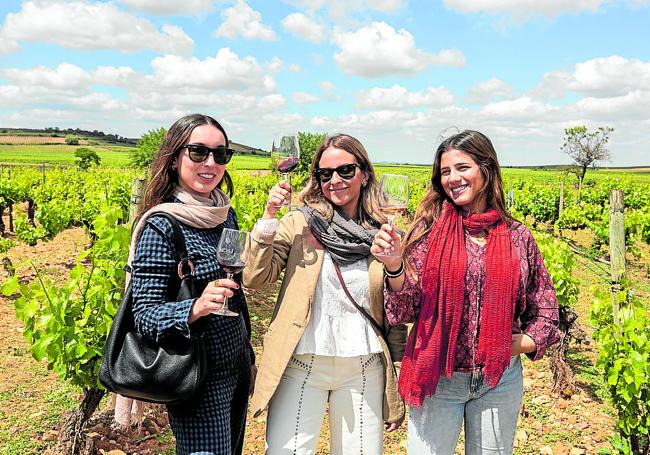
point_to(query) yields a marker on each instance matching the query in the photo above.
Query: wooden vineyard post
(137, 190)
(127, 409)
(511, 198)
(616, 244)
(561, 207)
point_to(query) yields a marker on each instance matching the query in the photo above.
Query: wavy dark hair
(163, 177)
(480, 149)
(369, 214)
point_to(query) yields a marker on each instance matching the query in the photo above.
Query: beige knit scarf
(196, 211)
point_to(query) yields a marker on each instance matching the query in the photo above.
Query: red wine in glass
(287, 165)
(232, 255)
(232, 268)
(285, 156)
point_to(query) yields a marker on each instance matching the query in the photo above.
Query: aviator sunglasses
(346, 172)
(199, 153)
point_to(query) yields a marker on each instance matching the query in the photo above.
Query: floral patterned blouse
(536, 313)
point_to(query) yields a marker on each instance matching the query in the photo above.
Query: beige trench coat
(295, 250)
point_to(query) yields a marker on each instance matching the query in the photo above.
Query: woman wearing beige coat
(320, 351)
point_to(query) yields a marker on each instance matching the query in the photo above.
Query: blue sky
(398, 74)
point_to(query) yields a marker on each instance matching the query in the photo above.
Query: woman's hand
(388, 240)
(212, 299)
(278, 195)
(394, 425)
(522, 344)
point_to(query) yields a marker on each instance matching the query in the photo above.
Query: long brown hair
(480, 149)
(369, 214)
(163, 177)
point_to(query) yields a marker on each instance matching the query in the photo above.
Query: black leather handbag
(133, 366)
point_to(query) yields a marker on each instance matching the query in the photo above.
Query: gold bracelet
(396, 273)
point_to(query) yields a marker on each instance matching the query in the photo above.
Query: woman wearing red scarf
(473, 281)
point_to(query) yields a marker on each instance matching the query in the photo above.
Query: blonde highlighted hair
(369, 214)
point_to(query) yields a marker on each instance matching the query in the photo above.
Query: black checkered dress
(213, 422)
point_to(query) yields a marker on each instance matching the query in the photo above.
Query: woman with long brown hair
(321, 347)
(473, 282)
(187, 175)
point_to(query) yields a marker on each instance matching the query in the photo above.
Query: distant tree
(586, 147)
(71, 140)
(308, 142)
(86, 157)
(148, 145)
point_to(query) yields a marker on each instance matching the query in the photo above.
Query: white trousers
(354, 388)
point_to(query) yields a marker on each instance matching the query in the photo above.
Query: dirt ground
(31, 398)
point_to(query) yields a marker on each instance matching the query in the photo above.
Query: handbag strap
(185, 265)
(370, 319)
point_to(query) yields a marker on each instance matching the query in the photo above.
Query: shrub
(71, 140)
(86, 157)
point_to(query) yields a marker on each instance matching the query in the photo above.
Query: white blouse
(337, 327)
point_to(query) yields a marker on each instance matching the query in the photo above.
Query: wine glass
(285, 156)
(232, 255)
(394, 190)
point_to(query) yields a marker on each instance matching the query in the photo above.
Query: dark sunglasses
(199, 153)
(346, 172)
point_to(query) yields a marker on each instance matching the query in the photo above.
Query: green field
(111, 155)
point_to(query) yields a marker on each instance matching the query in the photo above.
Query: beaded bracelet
(396, 273)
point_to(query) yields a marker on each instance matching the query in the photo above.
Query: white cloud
(631, 106)
(521, 10)
(294, 68)
(275, 64)
(552, 86)
(304, 27)
(398, 97)
(612, 75)
(224, 71)
(339, 10)
(90, 26)
(272, 102)
(170, 7)
(327, 87)
(304, 98)
(378, 50)
(600, 77)
(386, 6)
(521, 109)
(122, 76)
(242, 20)
(65, 77)
(310, 5)
(488, 90)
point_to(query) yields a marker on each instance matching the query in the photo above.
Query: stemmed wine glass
(285, 156)
(395, 198)
(232, 256)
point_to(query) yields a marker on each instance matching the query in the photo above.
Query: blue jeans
(490, 414)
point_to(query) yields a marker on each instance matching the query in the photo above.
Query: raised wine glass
(232, 255)
(285, 156)
(394, 189)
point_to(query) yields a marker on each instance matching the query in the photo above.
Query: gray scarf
(345, 240)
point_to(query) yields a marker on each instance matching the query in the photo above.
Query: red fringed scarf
(431, 346)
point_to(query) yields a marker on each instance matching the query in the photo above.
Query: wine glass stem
(224, 307)
(391, 220)
(287, 177)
